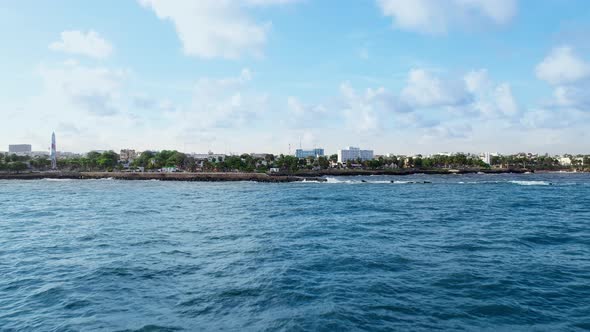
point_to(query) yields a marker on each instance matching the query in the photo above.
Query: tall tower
(53, 152)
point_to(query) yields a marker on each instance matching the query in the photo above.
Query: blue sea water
(464, 252)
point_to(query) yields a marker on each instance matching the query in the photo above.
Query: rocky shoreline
(318, 176)
(202, 177)
(412, 171)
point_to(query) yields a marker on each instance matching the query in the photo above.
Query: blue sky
(398, 76)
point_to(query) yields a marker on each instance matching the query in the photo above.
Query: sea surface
(445, 252)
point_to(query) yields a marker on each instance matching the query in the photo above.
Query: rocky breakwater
(205, 177)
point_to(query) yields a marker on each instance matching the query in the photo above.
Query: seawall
(204, 177)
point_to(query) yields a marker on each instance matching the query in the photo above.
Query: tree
(108, 160)
(17, 166)
(40, 163)
(418, 162)
(288, 163)
(144, 160)
(323, 162)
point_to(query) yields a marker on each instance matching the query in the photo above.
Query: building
(53, 153)
(301, 154)
(210, 156)
(565, 161)
(353, 154)
(486, 157)
(127, 155)
(20, 148)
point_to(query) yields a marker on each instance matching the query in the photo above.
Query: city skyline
(505, 76)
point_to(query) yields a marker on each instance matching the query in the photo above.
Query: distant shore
(410, 171)
(180, 176)
(318, 176)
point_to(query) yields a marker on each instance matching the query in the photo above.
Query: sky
(270, 76)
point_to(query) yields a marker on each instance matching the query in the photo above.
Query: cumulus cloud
(92, 89)
(562, 66)
(215, 28)
(490, 99)
(224, 102)
(436, 16)
(304, 115)
(78, 42)
(569, 75)
(426, 90)
(505, 102)
(360, 110)
(552, 119)
(450, 131)
(426, 101)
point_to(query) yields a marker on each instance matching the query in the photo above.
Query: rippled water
(464, 252)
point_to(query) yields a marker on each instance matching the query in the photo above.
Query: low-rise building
(210, 156)
(259, 155)
(565, 161)
(353, 154)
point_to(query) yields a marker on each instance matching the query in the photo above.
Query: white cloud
(477, 81)
(550, 118)
(562, 66)
(223, 103)
(77, 42)
(569, 76)
(360, 110)
(215, 28)
(572, 96)
(490, 99)
(449, 131)
(505, 102)
(303, 111)
(426, 90)
(95, 90)
(436, 16)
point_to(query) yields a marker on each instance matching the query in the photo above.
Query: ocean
(445, 252)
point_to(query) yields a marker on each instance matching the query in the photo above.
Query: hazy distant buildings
(127, 155)
(20, 148)
(564, 161)
(353, 154)
(210, 156)
(300, 153)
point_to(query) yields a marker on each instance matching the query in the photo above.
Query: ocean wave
(531, 183)
(57, 180)
(335, 180)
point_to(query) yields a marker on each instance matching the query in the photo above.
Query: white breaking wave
(531, 183)
(57, 180)
(335, 180)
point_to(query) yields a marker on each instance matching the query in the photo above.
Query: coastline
(201, 177)
(318, 176)
(410, 171)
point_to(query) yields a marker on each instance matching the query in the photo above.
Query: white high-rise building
(486, 157)
(353, 154)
